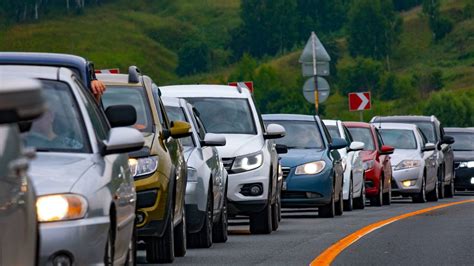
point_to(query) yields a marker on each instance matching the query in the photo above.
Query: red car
(376, 158)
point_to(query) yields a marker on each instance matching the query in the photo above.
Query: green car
(159, 168)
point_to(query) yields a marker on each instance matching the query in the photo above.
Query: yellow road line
(328, 256)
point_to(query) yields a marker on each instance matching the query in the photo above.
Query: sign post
(315, 72)
(360, 101)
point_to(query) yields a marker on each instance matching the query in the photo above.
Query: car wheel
(132, 249)
(359, 203)
(261, 223)
(449, 193)
(161, 249)
(219, 233)
(377, 200)
(275, 214)
(329, 210)
(420, 197)
(433, 195)
(340, 205)
(203, 238)
(110, 248)
(387, 197)
(348, 204)
(180, 236)
(441, 184)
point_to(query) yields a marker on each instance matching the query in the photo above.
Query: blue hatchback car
(312, 169)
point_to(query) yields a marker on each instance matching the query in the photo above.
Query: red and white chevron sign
(359, 101)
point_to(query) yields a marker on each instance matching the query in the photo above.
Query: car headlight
(406, 164)
(369, 164)
(143, 166)
(310, 168)
(64, 207)
(247, 162)
(192, 174)
(469, 164)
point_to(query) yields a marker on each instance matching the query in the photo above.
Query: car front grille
(286, 172)
(228, 162)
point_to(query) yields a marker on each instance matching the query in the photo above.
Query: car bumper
(83, 241)
(372, 181)
(307, 190)
(399, 176)
(239, 183)
(464, 178)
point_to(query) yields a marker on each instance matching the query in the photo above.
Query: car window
(463, 141)
(300, 134)
(422, 136)
(200, 126)
(399, 138)
(160, 107)
(428, 130)
(131, 95)
(225, 115)
(177, 113)
(61, 128)
(379, 138)
(364, 135)
(333, 131)
(348, 134)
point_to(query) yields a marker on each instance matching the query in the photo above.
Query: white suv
(249, 155)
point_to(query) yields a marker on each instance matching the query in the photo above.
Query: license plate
(284, 185)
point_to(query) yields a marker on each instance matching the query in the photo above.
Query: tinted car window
(463, 141)
(177, 113)
(61, 127)
(399, 138)
(333, 131)
(225, 115)
(300, 135)
(364, 135)
(134, 96)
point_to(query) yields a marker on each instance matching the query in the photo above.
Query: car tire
(420, 197)
(132, 249)
(110, 248)
(340, 204)
(349, 203)
(449, 189)
(359, 203)
(161, 249)
(433, 194)
(387, 196)
(275, 214)
(180, 237)
(329, 210)
(261, 223)
(219, 229)
(377, 200)
(203, 238)
(441, 184)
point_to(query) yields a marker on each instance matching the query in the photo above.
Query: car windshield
(135, 96)
(333, 131)
(225, 115)
(463, 141)
(61, 127)
(364, 135)
(300, 134)
(399, 138)
(177, 113)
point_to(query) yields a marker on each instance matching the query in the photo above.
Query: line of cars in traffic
(163, 168)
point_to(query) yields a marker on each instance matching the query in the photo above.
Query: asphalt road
(441, 237)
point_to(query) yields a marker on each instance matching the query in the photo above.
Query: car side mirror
(121, 115)
(281, 148)
(429, 147)
(387, 150)
(356, 146)
(214, 140)
(180, 129)
(123, 140)
(338, 143)
(274, 131)
(448, 140)
(21, 100)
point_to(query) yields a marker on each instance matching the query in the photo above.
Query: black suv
(434, 132)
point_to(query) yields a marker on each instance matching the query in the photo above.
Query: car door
(430, 159)
(384, 160)
(356, 161)
(448, 157)
(337, 161)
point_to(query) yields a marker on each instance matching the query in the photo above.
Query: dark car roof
(288, 117)
(403, 118)
(459, 129)
(76, 63)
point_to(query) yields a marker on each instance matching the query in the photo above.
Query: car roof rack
(134, 74)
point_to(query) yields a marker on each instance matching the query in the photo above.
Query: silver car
(206, 208)
(20, 99)
(413, 162)
(86, 197)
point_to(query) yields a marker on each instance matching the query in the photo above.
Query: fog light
(409, 183)
(472, 180)
(255, 190)
(62, 260)
(312, 195)
(140, 217)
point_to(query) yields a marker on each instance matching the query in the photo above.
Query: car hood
(57, 172)
(240, 144)
(463, 156)
(400, 155)
(296, 157)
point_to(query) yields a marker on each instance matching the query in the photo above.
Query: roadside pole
(315, 74)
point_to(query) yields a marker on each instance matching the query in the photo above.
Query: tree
(323, 16)
(445, 104)
(194, 57)
(374, 29)
(401, 5)
(362, 74)
(440, 25)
